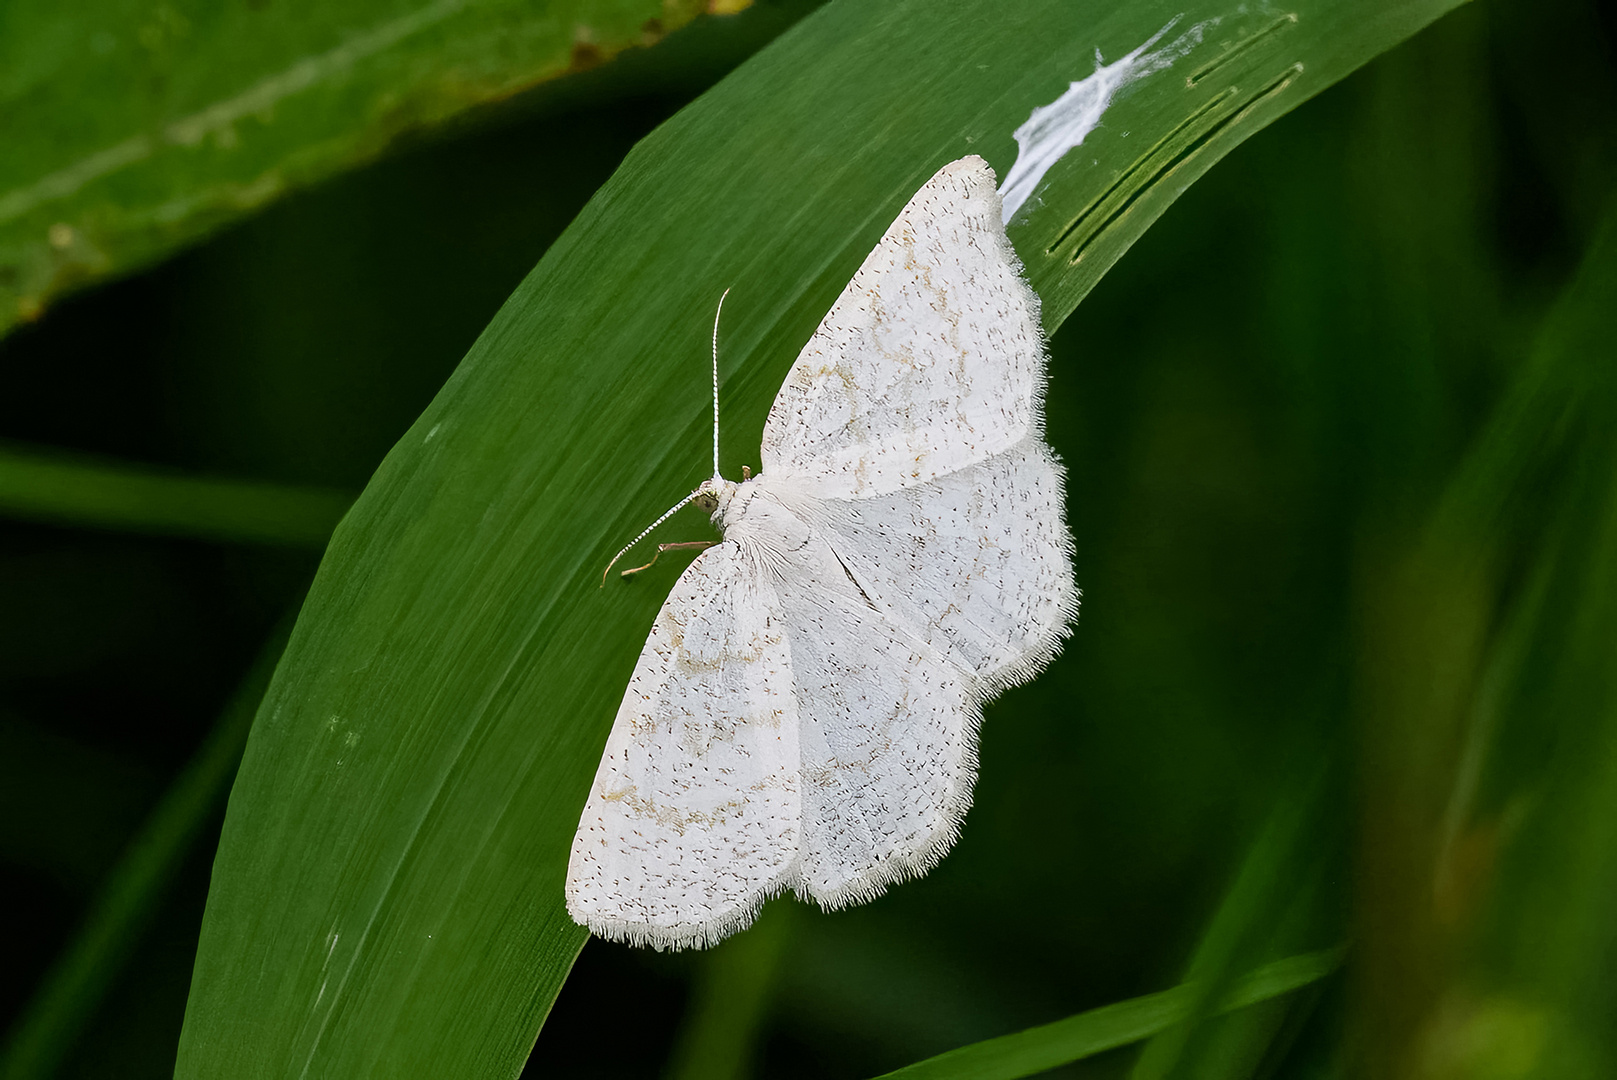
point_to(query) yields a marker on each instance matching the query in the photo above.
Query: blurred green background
(1345, 615)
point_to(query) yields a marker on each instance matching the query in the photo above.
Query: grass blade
(39, 486)
(1111, 1026)
(1488, 910)
(387, 897)
(1272, 907)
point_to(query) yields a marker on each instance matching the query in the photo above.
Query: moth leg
(682, 546)
(746, 473)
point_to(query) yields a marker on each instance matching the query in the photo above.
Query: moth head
(712, 494)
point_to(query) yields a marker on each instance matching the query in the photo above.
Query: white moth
(804, 714)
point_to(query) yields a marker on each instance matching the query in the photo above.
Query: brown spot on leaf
(585, 55)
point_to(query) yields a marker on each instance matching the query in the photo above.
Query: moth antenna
(716, 315)
(680, 505)
(666, 515)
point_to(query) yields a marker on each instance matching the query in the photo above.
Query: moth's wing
(931, 360)
(693, 819)
(888, 731)
(978, 561)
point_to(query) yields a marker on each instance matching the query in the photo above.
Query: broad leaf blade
(387, 898)
(1254, 63)
(130, 129)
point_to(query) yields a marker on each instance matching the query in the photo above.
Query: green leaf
(1561, 875)
(133, 128)
(1504, 699)
(1112, 1026)
(387, 898)
(47, 486)
(1272, 907)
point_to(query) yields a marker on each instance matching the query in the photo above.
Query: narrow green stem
(40, 485)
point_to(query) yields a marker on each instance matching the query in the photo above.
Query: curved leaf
(1111, 1026)
(387, 894)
